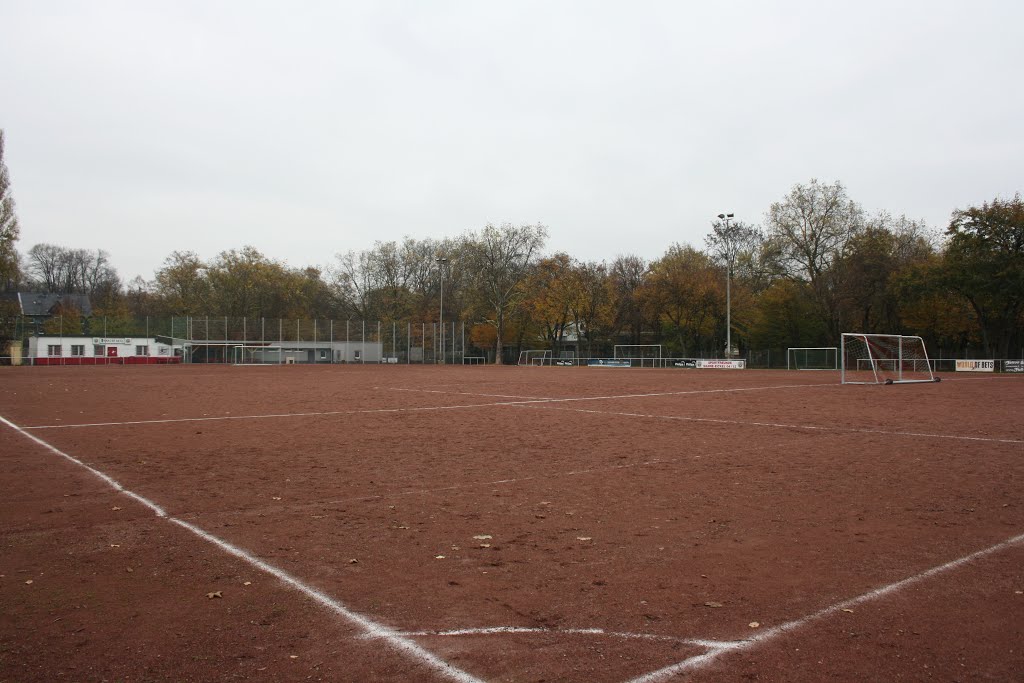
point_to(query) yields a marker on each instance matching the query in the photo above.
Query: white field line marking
(779, 425)
(110, 481)
(500, 630)
(261, 417)
(699, 661)
(370, 628)
(531, 399)
(521, 400)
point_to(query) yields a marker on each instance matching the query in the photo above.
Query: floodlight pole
(441, 262)
(728, 287)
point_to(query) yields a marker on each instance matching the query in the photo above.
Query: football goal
(643, 355)
(535, 357)
(242, 354)
(812, 358)
(884, 359)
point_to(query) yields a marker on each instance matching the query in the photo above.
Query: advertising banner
(608, 363)
(1013, 366)
(722, 364)
(975, 366)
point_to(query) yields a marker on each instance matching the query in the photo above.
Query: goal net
(812, 358)
(643, 355)
(535, 357)
(884, 359)
(242, 354)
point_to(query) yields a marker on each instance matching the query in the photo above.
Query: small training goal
(812, 358)
(535, 357)
(243, 354)
(884, 359)
(642, 355)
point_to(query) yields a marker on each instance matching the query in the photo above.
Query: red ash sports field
(357, 523)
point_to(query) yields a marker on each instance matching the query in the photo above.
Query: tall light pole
(441, 262)
(728, 293)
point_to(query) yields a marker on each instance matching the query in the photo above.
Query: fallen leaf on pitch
(214, 594)
(754, 624)
(115, 508)
(438, 557)
(711, 603)
(482, 537)
(29, 582)
(584, 538)
(247, 583)
(848, 610)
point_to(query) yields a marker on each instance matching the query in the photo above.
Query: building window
(53, 349)
(78, 349)
(99, 350)
(141, 350)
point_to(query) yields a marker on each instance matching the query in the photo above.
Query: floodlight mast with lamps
(728, 294)
(441, 262)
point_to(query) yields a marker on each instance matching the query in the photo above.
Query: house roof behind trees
(46, 304)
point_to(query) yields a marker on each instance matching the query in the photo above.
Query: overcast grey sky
(308, 129)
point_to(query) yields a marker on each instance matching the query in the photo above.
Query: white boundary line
(779, 425)
(530, 402)
(536, 630)
(259, 417)
(370, 628)
(699, 661)
(520, 400)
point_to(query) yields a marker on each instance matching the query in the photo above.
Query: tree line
(817, 265)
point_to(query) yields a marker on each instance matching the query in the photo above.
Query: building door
(111, 352)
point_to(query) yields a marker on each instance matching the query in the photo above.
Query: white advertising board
(722, 364)
(975, 365)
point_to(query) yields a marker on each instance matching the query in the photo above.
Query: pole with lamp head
(441, 262)
(728, 293)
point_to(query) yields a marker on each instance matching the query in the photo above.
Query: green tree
(785, 316)
(550, 295)
(500, 258)
(593, 302)
(870, 267)
(9, 264)
(628, 278)
(984, 262)
(810, 230)
(181, 285)
(687, 291)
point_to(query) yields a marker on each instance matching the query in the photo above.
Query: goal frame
(880, 365)
(529, 357)
(238, 354)
(826, 349)
(656, 361)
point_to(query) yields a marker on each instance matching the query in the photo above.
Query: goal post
(812, 358)
(535, 357)
(261, 354)
(644, 354)
(884, 359)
